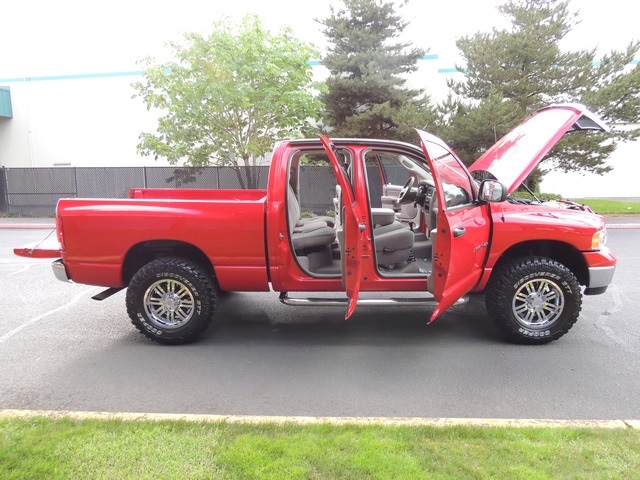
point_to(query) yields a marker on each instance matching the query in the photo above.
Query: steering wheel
(405, 190)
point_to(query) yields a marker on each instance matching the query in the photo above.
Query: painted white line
(28, 323)
(299, 420)
(23, 269)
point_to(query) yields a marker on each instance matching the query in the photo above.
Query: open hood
(514, 157)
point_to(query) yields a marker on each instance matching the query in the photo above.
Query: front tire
(171, 300)
(533, 300)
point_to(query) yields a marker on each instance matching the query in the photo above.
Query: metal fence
(34, 192)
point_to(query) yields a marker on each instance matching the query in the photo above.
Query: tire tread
(199, 275)
(498, 299)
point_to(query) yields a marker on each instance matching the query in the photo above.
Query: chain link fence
(34, 192)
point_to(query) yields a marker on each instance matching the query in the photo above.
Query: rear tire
(171, 300)
(533, 300)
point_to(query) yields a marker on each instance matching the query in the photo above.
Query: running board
(377, 302)
(106, 293)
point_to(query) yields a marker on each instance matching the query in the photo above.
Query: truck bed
(197, 194)
(99, 236)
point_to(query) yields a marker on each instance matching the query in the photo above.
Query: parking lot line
(30, 322)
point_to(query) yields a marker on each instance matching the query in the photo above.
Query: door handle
(459, 231)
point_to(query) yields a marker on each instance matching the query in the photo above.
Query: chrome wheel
(538, 303)
(169, 303)
(533, 300)
(171, 300)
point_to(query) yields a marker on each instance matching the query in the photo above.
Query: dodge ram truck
(404, 219)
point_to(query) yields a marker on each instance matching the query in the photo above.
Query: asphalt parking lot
(62, 351)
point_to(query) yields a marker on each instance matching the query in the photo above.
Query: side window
(375, 180)
(393, 168)
(314, 182)
(317, 184)
(394, 172)
(456, 183)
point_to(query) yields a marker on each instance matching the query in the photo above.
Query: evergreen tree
(512, 73)
(366, 94)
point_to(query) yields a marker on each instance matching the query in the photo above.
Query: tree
(366, 94)
(225, 98)
(511, 73)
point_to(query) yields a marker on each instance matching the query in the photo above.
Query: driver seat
(391, 238)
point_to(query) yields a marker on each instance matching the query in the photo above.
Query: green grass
(610, 207)
(38, 447)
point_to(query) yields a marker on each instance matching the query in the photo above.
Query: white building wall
(71, 121)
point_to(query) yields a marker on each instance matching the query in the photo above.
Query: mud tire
(533, 300)
(171, 300)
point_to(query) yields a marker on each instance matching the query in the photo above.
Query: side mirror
(492, 191)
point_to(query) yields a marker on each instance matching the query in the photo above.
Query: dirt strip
(302, 420)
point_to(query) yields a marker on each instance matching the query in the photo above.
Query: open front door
(463, 227)
(354, 225)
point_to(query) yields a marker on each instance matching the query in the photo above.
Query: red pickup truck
(406, 219)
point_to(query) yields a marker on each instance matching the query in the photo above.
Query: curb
(622, 226)
(337, 421)
(28, 226)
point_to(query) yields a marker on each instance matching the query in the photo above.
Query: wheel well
(142, 253)
(559, 251)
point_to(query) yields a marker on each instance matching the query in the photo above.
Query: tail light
(60, 232)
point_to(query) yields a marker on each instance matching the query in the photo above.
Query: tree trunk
(236, 168)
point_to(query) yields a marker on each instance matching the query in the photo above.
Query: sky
(45, 37)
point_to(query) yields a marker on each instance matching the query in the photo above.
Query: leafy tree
(226, 97)
(366, 94)
(511, 73)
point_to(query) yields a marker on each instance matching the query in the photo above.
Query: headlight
(599, 240)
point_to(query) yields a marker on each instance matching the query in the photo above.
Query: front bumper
(60, 271)
(599, 279)
(601, 265)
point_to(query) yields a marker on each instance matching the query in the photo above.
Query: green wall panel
(5, 102)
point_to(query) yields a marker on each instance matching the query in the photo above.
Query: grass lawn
(39, 447)
(610, 207)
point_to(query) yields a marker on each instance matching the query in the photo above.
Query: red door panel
(353, 225)
(461, 248)
(463, 227)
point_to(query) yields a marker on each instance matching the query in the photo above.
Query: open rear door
(353, 225)
(463, 226)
